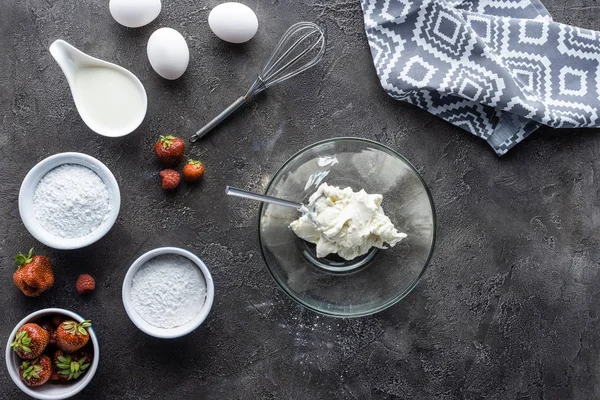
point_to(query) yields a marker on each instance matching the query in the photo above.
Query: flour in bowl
(71, 201)
(168, 291)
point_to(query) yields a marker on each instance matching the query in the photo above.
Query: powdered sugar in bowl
(168, 292)
(69, 201)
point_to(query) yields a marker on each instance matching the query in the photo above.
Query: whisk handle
(218, 119)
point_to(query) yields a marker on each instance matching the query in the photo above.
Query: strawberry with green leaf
(169, 150)
(71, 366)
(36, 372)
(34, 274)
(193, 171)
(72, 336)
(30, 341)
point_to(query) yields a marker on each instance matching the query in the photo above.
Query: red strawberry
(36, 372)
(71, 366)
(58, 319)
(170, 150)
(30, 341)
(72, 336)
(55, 377)
(85, 284)
(170, 179)
(34, 274)
(193, 171)
(47, 326)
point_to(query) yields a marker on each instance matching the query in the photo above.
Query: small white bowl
(179, 331)
(37, 173)
(50, 391)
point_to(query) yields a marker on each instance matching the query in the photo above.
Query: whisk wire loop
(271, 65)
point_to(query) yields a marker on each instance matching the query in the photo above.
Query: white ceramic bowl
(50, 391)
(28, 189)
(171, 332)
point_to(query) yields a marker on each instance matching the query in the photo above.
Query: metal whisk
(301, 47)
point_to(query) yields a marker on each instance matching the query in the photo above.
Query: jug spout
(67, 57)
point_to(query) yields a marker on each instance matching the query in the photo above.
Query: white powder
(71, 201)
(168, 291)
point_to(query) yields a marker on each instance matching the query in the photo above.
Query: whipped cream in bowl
(345, 222)
(364, 236)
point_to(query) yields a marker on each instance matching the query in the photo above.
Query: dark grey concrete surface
(508, 308)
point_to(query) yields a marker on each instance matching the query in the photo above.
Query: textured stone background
(507, 310)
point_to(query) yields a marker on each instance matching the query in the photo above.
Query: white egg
(233, 22)
(134, 13)
(168, 53)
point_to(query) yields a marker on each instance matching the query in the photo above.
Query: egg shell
(134, 13)
(233, 22)
(168, 53)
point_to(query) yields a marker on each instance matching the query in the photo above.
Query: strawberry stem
(22, 342)
(24, 259)
(71, 368)
(167, 141)
(31, 369)
(75, 328)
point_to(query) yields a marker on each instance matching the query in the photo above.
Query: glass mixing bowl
(367, 284)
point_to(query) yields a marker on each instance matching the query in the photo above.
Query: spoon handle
(231, 191)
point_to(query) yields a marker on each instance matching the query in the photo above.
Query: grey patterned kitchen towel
(496, 68)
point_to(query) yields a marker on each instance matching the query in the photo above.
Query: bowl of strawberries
(52, 354)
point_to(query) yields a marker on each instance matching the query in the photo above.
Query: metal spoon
(309, 211)
(231, 191)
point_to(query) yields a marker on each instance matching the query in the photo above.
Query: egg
(233, 22)
(134, 13)
(168, 53)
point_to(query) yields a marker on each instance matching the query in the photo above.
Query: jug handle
(66, 56)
